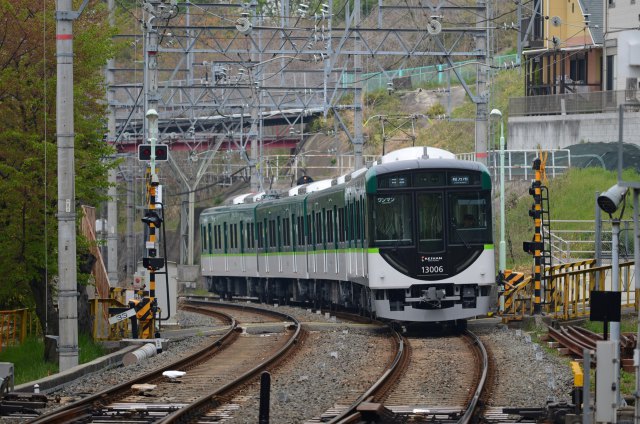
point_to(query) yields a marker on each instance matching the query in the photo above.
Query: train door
(350, 238)
(358, 245)
(332, 242)
(279, 242)
(294, 242)
(225, 247)
(210, 247)
(363, 246)
(243, 264)
(342, 251)
(261, 247)
(252, 263)
(318, 245)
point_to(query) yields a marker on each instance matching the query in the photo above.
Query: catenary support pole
(636, 258)
(67, 284)
(112, 204)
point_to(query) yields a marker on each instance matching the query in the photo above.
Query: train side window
(272, 233)
(279, 232)
(251, 236)
(209, 246)
(235, 236)
(286, 232)
(330, 228)
(318, 228)
(362, 217)
(300, 230)
(341, 227)
(310, 234)
(357, 223)
(242, 231)
(260, 236)
(225, 237)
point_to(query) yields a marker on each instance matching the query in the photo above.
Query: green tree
(28, 153)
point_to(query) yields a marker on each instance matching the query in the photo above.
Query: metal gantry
(220, 73)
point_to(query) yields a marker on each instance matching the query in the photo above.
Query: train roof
(402, 159)
(405, 165)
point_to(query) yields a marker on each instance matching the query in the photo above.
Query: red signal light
(162, 152)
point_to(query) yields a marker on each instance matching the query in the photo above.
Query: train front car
(431, 256)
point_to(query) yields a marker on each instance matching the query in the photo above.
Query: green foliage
(28, 154)
(436, 110)
(29, 363)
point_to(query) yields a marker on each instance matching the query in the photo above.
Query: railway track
(574, 339)
(210, 374)
(405, 392)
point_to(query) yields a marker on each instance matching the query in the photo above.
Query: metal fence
(573, 240)
(433, 74)
(518, 163)
(16, 325)
(573, 103)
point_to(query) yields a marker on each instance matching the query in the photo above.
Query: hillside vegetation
(572, 196)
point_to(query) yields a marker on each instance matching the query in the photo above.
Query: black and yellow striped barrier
(515, 299)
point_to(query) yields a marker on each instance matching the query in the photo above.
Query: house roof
(595, 9)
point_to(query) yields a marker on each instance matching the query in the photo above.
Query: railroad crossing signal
(144, 152)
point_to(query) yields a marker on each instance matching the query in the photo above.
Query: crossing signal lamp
(144, 152)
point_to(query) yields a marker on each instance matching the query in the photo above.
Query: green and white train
(408, 239)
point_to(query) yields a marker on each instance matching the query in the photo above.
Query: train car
(407, 239)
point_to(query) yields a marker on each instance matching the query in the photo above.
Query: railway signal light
(162, 152)
(151, 217)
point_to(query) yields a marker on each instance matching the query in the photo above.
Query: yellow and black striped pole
(536, 246)
(147, 308)
(536, 214)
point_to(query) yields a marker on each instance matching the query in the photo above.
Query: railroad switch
(554, 412)
(22, 403)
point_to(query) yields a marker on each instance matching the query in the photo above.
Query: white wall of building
(559, 131)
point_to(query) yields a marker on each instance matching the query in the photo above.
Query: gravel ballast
(327, 368)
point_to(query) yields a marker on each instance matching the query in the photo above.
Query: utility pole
(481, 84)
(358, 139)
(67, 277)
(112, 204)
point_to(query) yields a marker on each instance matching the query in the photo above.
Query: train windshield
(392, 220)
(470, 217)
(430, 208)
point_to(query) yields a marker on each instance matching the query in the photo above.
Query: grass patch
(571, 197)
(29, 363)
(629, 324)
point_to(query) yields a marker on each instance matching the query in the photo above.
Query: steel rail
(212, 399)
(62, 415)
(350, 414)
(469, 413)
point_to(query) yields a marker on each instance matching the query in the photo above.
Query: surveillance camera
(612, 198)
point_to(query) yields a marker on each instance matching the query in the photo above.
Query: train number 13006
(435, 269)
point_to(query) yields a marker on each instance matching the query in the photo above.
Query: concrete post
(112, 203)
(67, 285)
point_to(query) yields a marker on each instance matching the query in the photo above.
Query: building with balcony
(581, 60)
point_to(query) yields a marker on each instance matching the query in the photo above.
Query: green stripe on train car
(486, 180)
(371, 179)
